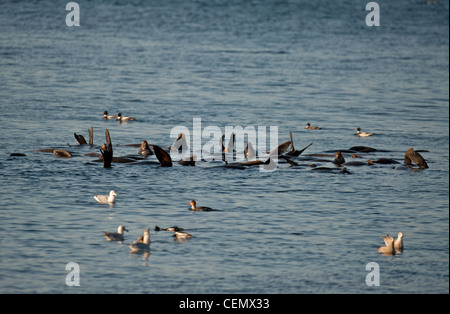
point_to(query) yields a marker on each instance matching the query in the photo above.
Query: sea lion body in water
(107, 151)
(339, 159)
(413, 156)
(144, 149)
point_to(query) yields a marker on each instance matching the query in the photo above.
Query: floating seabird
(172, 229)
(179, 235)
(398, 244)
(115, 236)
(138, 246)
(201, 208)
(362, 134)
(309, 127)
(106, 116)
(124, 118)
(106, 199)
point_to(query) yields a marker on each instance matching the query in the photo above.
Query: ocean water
(229, 63)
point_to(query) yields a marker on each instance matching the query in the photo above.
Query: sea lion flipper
(91, 136)
(107, 151)
(163, 157)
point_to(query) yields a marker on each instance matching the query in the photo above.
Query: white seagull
(138, 246)
(106, 199)
(115, 236)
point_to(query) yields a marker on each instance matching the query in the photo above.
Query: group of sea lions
(411, 156)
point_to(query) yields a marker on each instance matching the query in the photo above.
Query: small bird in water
(182, 235)
(106, 199)
(107, 116)
(115, 236)
(138, 246)
(362, 134)
(309, 127)
(173, 229)
(201, 208)
(398, 244)
(125, 118)
(389, 248)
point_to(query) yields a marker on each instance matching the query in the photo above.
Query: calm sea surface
(230, 63)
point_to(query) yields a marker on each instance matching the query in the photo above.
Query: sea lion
(414, 156)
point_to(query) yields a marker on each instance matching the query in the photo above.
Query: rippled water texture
(229, 63)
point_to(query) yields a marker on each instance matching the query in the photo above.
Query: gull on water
(142, 244)
(398, 244)
(106, 199)
(115, 236)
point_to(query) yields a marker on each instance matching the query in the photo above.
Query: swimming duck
(362, 134)
(309, 127)
(201, 208)
(389, 248)
(115, 236)
(126, 118)
(106, 116)
(179, 235)
(138, 246)
(173, 229)
(339, 159)
(105, 199)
